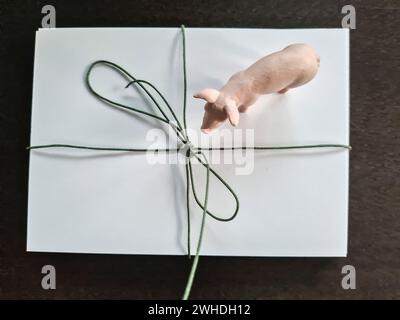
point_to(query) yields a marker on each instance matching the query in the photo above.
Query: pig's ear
(210, 95)
(232, 112)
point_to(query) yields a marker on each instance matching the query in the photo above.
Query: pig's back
(291, 67)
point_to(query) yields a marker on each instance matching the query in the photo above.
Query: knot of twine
(189, 150)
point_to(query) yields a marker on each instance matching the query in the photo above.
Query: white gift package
(293, 203)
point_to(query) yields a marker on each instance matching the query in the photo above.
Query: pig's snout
(217, 109)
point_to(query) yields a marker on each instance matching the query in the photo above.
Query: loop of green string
(192, 152)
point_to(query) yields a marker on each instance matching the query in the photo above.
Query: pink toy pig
(291, 67)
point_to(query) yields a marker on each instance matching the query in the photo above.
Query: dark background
(374, 233)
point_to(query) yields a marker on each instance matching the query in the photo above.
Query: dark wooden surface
(374, 222)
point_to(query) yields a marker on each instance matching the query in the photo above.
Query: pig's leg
(248, 101)
(284, 90)
(243, 108)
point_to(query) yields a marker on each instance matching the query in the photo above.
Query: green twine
(192, 152)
